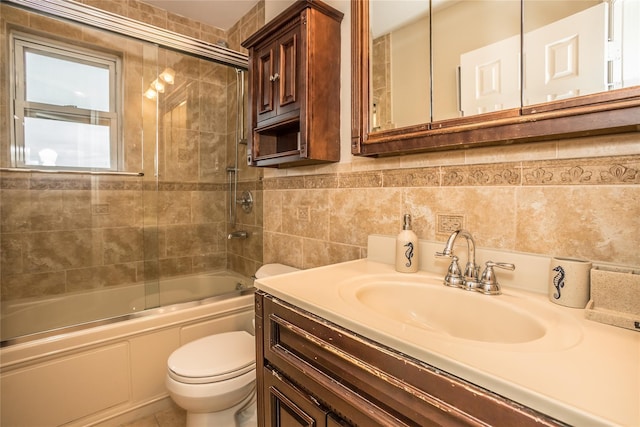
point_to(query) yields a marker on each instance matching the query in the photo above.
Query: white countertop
(594, 381)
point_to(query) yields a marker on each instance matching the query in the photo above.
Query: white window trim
(21, 42)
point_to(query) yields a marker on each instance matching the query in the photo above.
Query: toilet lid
(214, 358)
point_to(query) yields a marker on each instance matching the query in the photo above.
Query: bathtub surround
(66, 233)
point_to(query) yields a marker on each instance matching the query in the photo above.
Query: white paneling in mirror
(579, 48)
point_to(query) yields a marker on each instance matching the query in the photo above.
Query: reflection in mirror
(476, 55)
(400, 74)
(576, 48)
(459, 117)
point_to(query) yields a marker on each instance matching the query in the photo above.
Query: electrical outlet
(303, 213)
(448, 223)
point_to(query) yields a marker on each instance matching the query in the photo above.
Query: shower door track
(104, 20)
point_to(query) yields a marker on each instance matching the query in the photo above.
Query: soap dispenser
(407, 248)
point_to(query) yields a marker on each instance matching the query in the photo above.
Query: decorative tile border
(360, 179)
(414, 177)
(482, 175)
(321, 181)
(622, 170)
(89, 183)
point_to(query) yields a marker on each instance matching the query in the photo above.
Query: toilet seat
(214, 358)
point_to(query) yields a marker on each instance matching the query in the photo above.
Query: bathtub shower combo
(115, 212)
(47, 316)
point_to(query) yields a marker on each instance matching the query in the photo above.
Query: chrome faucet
(487, 283)
(469, 280)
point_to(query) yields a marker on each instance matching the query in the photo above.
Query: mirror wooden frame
(615, 111)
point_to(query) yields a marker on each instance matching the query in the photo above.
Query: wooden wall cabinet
(311, 372)
(294, 87)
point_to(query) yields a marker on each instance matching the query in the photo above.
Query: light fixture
(151, 94)
(158, 85)
(168, 75)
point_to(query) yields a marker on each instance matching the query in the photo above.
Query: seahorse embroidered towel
(569, 282)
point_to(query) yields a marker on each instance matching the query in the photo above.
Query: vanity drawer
(368, 384)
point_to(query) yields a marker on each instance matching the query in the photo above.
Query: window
(66, 106)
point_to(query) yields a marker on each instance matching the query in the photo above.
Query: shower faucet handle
(246, 201)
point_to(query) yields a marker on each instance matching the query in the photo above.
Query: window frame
(20, 43)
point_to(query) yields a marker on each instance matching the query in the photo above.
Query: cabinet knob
(275, 77)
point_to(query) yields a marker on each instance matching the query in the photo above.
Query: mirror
(477, 70)
(400, 53)
(422, 83)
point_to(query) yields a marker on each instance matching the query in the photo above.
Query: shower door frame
(89, 15)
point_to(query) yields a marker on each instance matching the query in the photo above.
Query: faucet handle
(454, 275)
(488, 281)
(503, 265)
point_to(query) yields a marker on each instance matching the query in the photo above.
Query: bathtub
(37, 317)
(112, 371)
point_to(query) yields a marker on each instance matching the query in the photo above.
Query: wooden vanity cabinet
(294, 87)
(312, 372)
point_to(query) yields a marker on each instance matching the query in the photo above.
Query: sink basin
(419, 308)
(455, 312)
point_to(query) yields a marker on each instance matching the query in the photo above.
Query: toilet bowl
(213, 378)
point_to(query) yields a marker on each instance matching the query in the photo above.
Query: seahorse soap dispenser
(407, 248)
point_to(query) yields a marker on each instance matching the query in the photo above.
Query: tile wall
(63, 233)
(245, 256)
(572, 198)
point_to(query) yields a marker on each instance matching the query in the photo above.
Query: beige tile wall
(245, 256)
(535, 198)
(65, 233)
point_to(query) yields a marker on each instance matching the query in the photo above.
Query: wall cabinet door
(278, 78)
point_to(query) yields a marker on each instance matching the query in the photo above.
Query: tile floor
(177, 417)
(172, 417)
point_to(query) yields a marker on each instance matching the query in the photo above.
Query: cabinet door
(287, 406)
(289, 65)
(265, 98)
(278, 73)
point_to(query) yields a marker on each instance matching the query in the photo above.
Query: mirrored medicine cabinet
(445, 74)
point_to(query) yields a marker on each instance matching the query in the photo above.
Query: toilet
(214, 378)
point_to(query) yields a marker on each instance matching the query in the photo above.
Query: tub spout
(238, 235)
